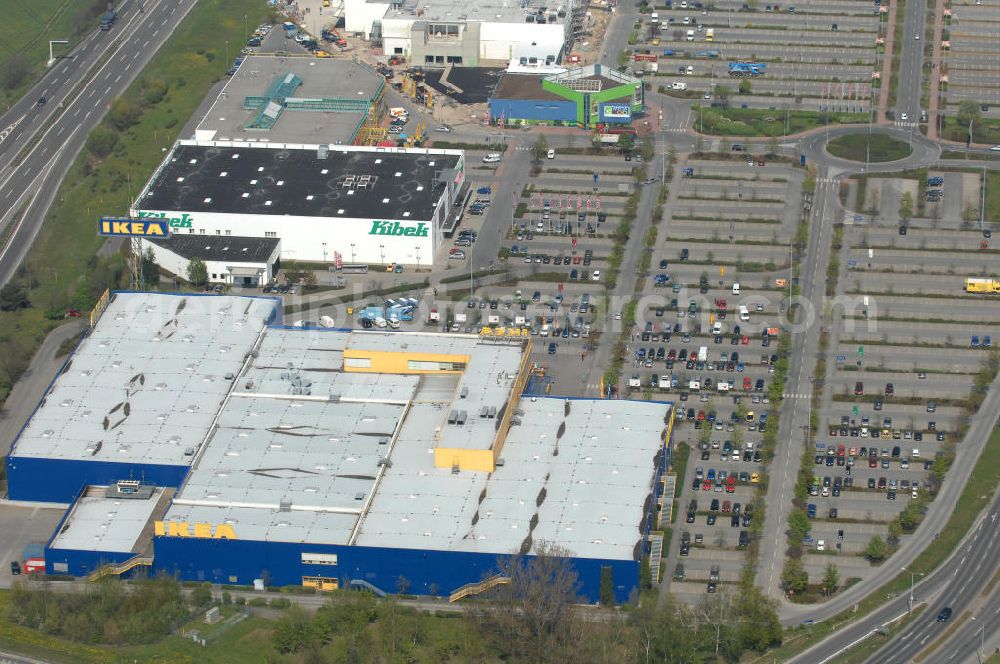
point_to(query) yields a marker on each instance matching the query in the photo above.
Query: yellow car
(886, 434)
(326, 3)
(754, 478)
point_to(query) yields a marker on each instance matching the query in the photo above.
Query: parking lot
(706, 338)
(817, 56)
(971, 63)
(906, 343)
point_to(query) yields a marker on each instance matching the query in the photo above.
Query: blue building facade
(46, 480)
(421, 572)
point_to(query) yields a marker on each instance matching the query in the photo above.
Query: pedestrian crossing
(796, 396)
(906, 125)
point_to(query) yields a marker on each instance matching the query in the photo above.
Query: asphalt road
(911, 62)
(105, 64)
(30, 389)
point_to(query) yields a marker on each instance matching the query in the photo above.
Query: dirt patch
(971, 190)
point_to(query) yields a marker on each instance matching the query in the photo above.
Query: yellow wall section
(481, 460)
(394, 362)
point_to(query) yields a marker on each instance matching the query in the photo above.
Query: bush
(102, 141)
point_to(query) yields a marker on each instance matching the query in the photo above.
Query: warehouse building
(460, 33)
(196, 436)
(295, 100)
(363, 204)
(236, 261)
(582, 96)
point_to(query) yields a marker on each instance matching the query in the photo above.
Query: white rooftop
(97, 523)
(146, 384)
(299, 451)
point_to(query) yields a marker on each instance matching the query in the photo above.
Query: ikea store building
(195, 435)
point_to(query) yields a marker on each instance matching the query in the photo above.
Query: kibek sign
(397, 229)
(183, 221)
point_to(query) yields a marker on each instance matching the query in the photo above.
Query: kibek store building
(369, 205)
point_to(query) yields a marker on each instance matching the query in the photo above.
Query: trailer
(742, 69)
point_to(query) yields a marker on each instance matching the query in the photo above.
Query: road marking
(61, 129)
(108, 90)
(146, 44)
(119, 78)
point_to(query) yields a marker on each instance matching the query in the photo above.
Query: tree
(15, 71)
(14, 296)
(831, 579)
(799, 526)
(745, 86)
(150, 270)
(906, 206)
(607, 587)
(200, 596)
(102, 141)
(794, 576)
(197, 272)
(124, 113)
(895, 532)
(877, 550)
(968, 111)
(531, 619)
(541, 148)
(153, 90)
(773, 147)
(294, 631)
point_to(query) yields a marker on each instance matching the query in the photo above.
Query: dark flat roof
(220, 247)
(280, 180)
(524, 86)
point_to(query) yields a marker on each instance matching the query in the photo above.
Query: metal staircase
(361, 583)
(666, 501)
(120, 568)
(480, 587)
(655, 554)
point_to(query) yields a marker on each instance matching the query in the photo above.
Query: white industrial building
(361, 204)
(462, 33)
(233, 260)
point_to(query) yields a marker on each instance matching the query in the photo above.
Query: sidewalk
(935, 73)
(883, 96)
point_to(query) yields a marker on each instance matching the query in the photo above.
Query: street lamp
(913, 575)
(982, 639)
(381, 248)
(353, 259)
(324, 252)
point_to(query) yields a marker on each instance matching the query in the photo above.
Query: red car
(872, 462)
(731, 484)
(859, 388)
(841, 450)
(706, 485)
(701, 415)
(747, 384)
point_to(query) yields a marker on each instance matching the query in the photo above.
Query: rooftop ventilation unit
(322, 151)
(462, 417)
(285, 506)
(452, 417)
(484, 411)
(359, 496)
(383, 441)
(492, 412)
(464, 392)
(501, 461)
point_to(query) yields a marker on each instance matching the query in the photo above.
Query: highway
(911, 63)
(41, 142)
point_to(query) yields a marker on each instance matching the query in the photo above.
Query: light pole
(418, 259)
(381, 248)
(352, 253)
(913, 575)
(982, 639)
(324, 253)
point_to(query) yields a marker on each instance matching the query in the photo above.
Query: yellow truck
(981, 285)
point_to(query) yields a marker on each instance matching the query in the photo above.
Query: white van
(703, 354)
(744, 313)
(545, 330)
(678, 85)
(690, 35)
(736, 288)
(491, 158)
(717, 328)
(654, 18)
(552, 154)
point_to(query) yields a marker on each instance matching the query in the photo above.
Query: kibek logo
(183, 221)
(396, 228)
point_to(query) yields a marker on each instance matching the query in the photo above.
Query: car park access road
(106, 63)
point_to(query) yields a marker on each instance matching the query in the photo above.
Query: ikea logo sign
(125, 226)
(199, 530)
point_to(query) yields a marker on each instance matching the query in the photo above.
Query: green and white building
(323, 202)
